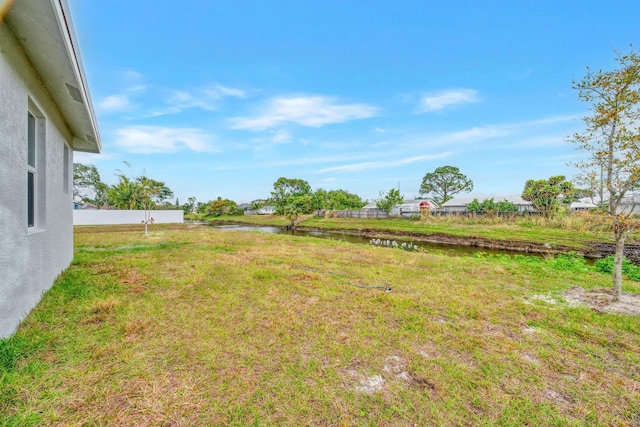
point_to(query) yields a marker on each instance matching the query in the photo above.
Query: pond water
(455, 250)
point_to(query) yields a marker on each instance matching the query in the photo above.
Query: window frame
(36, 168)
(32, 171)
(66, 168)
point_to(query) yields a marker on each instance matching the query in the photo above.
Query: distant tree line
(130, 192)
(293, 197)
(611, 139)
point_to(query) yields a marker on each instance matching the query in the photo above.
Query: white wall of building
(110, 217)
(30, 257)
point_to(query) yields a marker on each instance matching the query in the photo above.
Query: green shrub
(570, 262)
(605, 265)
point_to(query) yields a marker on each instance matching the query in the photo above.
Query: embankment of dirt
(595, 250)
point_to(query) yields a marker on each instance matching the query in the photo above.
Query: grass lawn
(197, 326)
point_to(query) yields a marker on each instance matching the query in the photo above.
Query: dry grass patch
(233, 328)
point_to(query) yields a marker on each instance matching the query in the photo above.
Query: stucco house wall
(31, 257)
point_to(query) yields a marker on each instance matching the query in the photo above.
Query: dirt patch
(602, 300)
(395, 370)
(603, 250)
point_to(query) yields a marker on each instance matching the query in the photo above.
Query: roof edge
(66, 26)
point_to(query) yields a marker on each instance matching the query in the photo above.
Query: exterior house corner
(45, 115)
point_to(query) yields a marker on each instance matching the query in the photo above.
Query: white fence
(107, 217)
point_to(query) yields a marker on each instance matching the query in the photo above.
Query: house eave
(45, 32)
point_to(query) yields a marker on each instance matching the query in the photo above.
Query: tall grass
(578, 221)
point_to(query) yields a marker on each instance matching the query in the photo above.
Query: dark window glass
(31, 199)
(31, 141)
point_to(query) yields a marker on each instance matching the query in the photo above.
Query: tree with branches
(389, 200)
(87, 183)
(139, 192)
(545, 194)
(296, 206)
(611, 137)
(444, 182)
(285, 190)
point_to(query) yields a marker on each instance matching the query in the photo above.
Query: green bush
(489, 206)
(570, 262)
(605, 265)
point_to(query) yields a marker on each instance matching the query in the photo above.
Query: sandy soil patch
(601, 300)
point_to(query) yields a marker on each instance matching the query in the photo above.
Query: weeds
(571, 262)
(605, 265)
(250, 329)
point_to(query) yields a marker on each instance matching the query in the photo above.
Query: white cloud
(281, 137)
(459, 138)
(440, 100)
(157, 139)
(474, 134)
(299, 161)
(542, 133)
(208, 99)
(130, 75)
(311, 111)
(134, 81)
(538, 142)
(115, 103)
(158, 101)
(229, 91)
(385, 164)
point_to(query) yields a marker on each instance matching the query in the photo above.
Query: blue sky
(221, 98)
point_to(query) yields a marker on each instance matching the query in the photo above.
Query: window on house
(66, 169)
(36, 170)
(31, 170)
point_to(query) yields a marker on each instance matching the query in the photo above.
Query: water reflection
(454, 250)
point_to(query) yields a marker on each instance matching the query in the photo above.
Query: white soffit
(45, 32)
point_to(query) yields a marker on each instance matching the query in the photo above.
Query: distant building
(413, 207)
(583, 205)
(629, 205)
(84, 205)
(459, 204)
(45, 115)
(267, 210)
